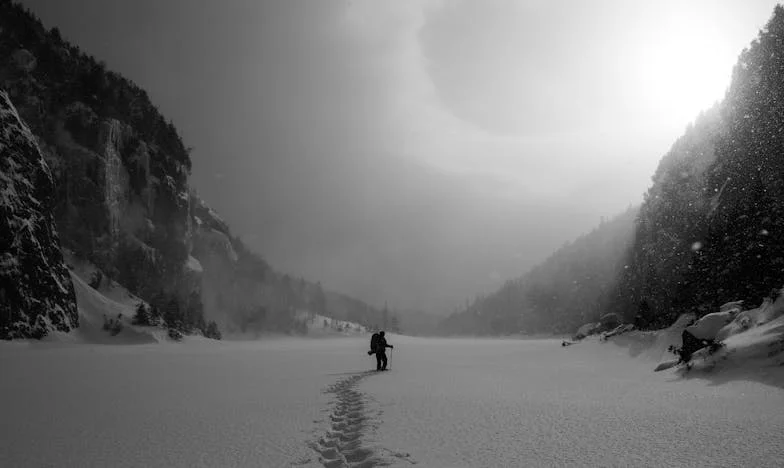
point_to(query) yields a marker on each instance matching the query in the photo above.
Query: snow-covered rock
(193, 265)
(653, 344)
(586, 330)
(734, 305)
(211, 242)
(36, 292)
(610, 321)
(765, 313)
(755, 350)
(620, 329)
(192, 278)
(206, 216)
(707, 327)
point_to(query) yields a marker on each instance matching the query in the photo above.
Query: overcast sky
(418, 152)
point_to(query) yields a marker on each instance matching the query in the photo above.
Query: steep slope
(109, 301)
(121, 196)
(711, 229)
(670, 224)
(558, 295)
(36, 294)
(120, 170)
(95, 308)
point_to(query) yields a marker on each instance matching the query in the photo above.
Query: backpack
(374, 342)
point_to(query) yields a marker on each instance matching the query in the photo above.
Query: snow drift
(751, 344)
(753, 341)
(95, 308)
(109, 301)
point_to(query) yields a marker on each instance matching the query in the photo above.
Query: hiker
(378, 346)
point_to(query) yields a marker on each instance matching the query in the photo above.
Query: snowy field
(445, 403)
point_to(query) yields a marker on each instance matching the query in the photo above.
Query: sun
(682, 68)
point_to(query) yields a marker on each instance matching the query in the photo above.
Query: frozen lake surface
(446, 402)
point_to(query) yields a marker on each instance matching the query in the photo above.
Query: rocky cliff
(120, 192)
(36, 293)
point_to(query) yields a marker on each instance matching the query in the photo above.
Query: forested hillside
(560, 294)
(710, 229)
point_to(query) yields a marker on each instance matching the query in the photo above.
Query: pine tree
(155, 315)
(212, 331)
(142, 316)
(172, 315)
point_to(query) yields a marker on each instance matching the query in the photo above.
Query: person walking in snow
(380, 349)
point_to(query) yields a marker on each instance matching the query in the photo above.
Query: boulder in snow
(682, 322)
(620, 329)
(729, 306)
(707, 328)
(767, 312)
(610, 321)
(586, 330)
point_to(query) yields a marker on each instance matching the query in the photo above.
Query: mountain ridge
(122, 198)
(709, 230)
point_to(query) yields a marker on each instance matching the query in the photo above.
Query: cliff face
(119, 169)
(36, 293)
(242, 293)
(120, 196)
(213, 249)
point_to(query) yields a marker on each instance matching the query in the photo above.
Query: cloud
(376, 184)
(568, 144)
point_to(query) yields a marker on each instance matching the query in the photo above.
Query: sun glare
(683, 68)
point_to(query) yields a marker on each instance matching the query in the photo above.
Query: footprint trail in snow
(343, 445)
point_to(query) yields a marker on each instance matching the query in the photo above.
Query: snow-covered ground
(534, 403)
(197, 403)
(445, 403)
